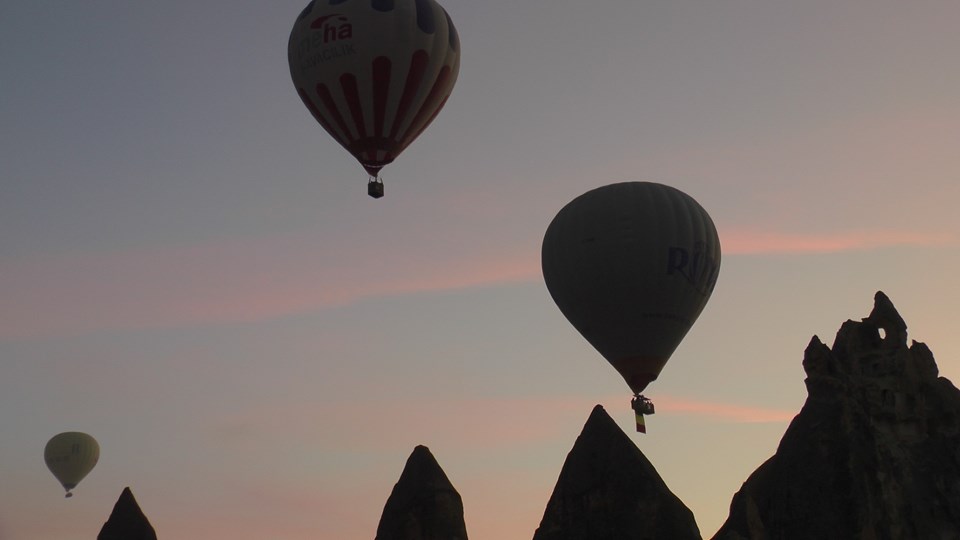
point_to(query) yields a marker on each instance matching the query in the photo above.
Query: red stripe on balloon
(320, 21)
(348, 82)
(430, 105)
(331, 106)
(381, 90)
(430, 121)
(418, 65)
(314, 111)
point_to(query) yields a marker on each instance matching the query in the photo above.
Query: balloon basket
(641, 406)
(375, 188)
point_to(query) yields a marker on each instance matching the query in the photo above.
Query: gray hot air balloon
(631, 266)
(70, 457)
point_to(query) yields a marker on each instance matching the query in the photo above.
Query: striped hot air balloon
(374, 73)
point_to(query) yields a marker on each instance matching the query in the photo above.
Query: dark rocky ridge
(873, 454)
(608, 490)
(127, 521)
(875, 451)
(423, 504)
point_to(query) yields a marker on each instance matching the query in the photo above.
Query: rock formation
(127, 521)
(423, 505)
(875, 451)
(608, 490)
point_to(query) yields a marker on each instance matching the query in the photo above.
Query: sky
(191, 270)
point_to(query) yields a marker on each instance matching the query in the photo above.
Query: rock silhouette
(423, 504)
(873, 454)
(127, 521)
(608, 490)
(875, 451)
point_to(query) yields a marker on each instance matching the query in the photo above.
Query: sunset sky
(191, 270)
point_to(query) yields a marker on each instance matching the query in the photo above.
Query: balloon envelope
(70, 456)
(374, 73)
(631, 266)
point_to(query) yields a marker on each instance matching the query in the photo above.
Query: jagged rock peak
(874, 452)
(608, 490)
(423, 504)
(127, 521)
(871, 357)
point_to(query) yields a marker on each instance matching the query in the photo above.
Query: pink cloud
(478, 424)
(722, 411)
(748, 242)
(252, 279)
(228, 282)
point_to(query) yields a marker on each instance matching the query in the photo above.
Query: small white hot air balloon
(70, 456)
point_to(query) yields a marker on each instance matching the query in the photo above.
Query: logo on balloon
(326, 43)
(334, 27)
(698, 267)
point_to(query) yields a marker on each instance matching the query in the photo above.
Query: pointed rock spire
(127, 521)
(875, 451)
(608, 490)
(423, 504)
